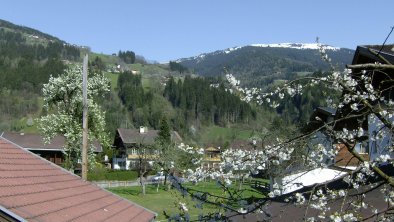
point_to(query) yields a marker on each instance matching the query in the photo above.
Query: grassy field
(105, 174)
(113, 78)
(107, 59)
(167, 201)
(149, 69)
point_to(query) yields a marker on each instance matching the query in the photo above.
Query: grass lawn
(157, 201)
(168, 200)
(113, 79)
(107, 59)
(148, 69)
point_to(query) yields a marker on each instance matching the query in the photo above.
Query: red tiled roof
(33, 141)
(37, 190)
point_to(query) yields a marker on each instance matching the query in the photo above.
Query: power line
(392, 28)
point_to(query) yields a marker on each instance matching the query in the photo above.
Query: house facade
(212, 158)
(133, 145)
(379, 137)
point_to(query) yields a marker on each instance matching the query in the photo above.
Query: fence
(112, 183)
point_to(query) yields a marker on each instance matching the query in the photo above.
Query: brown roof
(37, 190)
(33, 141)
(133, 136)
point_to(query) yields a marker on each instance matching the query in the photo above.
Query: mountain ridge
(262, 64)
(314, 46)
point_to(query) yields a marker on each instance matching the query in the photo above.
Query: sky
(167, 30)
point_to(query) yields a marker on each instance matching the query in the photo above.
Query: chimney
(143, 129)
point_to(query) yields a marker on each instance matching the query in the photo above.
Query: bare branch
(370, 66)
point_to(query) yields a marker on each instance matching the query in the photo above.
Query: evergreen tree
(164, 135)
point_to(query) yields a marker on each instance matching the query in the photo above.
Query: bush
(105, 174)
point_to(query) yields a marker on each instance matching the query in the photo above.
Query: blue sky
(167, 30)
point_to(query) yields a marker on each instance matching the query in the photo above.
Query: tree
(63, 103)
(164, 135)
(365, 111)
(127, 56)
(166, 150)
(146, 157)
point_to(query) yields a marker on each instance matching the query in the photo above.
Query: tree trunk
(142, 182)
(157, 187)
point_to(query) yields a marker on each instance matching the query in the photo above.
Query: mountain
(264, 64)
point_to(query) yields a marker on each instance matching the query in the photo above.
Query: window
(374, 144)
(361, 147)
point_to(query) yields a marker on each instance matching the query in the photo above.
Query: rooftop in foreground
(34, 189)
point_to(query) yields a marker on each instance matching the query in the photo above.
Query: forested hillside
(207, 101)
(184, 102)
(142, 94)
(27, 58)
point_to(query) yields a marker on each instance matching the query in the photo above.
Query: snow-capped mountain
(264, 63)
(313, 46)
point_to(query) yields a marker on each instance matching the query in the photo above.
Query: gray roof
(133, 136)
(32, 141)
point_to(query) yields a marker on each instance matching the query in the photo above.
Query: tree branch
(379, 56)
(370, 66)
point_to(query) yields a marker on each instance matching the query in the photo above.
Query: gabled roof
(319, 117)
(33, 141)
(34, 189)
(363, 54)
(133, 136)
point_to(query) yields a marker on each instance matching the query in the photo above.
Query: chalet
(211, 158)
(35, 189)
(381, 80)
(128, 143)
(53, 151)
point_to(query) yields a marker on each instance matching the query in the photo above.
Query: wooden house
(129, 142)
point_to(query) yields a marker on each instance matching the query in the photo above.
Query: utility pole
(85, 119)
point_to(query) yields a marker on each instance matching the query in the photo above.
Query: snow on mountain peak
(314, 46)
(297, 46)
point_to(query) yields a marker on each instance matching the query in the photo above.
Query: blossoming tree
(63, 104)
(364, 115)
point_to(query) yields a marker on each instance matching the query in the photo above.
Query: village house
(381, 81)
(35, 189)
(212, 158)
(52, 151)
(129, 142)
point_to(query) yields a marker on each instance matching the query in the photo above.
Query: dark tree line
(97, 65)
(127, 56)
(140, 104)
(174, 66)
(299, 108)
(198, 100)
